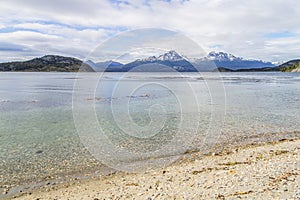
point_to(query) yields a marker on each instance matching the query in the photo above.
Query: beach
(269, 170)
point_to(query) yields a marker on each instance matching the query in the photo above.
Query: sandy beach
(265, 171)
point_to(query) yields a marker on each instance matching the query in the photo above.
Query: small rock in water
(39, 151)
(5, 191)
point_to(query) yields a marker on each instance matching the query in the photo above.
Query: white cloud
(74, 27)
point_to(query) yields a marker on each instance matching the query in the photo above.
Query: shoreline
(225, 161)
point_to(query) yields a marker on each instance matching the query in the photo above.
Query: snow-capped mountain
(231, 62)
(171, 56)
(221, 56)
(171, 60)
(168, 61)
(168, 56)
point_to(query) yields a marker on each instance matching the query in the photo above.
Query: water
(54, 125)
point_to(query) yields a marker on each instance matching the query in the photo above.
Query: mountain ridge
(47, 63)
(212, 62)
(103, 66)
(290, 66)
(171, 60)
(229, 61)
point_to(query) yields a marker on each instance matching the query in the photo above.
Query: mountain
(214, 61)
(230, 62)
(108, 66)
(169, 61)
(46, 64)
(290, 66)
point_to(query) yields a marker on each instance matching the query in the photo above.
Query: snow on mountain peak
(171, 55)
(168, 56)
(221, 56)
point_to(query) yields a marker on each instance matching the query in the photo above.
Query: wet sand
(269, 170)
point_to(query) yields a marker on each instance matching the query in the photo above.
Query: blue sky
(267, 30)
(282, 34)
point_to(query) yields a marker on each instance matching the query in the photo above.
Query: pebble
(230, 182)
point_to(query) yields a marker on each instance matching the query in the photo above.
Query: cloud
(41, 39)
(74, 27)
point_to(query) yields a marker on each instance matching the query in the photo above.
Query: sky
(258, 29)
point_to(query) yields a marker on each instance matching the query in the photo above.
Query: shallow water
(48, 127)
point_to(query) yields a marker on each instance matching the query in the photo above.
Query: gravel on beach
(266, 171)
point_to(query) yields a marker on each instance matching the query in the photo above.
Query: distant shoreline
(168, 62)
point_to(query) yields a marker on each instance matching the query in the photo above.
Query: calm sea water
(50, 122)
